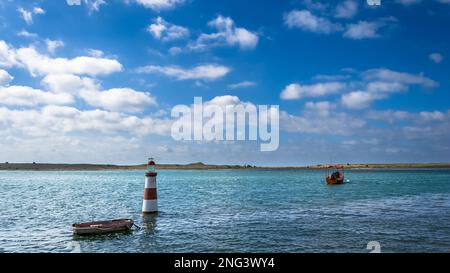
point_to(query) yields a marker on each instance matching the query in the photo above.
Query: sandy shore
(201, 166)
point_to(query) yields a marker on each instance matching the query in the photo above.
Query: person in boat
(335, 175)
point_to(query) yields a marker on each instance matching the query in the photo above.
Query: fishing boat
(102, 227)
(335, 175)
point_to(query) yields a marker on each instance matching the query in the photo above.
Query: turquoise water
(229, 211)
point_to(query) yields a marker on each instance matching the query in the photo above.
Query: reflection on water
(148, 224)
(229, 211)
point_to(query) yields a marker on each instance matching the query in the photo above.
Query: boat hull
(102, 227)
(334, 181)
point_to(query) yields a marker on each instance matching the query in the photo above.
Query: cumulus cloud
(296, 91)
(56, 120)
(380, 84)
(228, 34)
(7, 55)
(436, 57)
(5, 78)
(360, 99)
(201, 72)
(116, 99)
(322, 108)
(305, 20)
(39, 64)
(362, 30)
(38, 10)
(373, 84)
(68, 83)
(52, 45)
(346, 9)
(27, 96)
(63, 81)
(165, 31)
(119, 99)
(159, 4)
(319, 119)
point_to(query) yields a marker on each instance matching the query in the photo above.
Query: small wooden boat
(102, 227)
(337, 176)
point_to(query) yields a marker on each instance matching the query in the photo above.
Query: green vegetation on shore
(201, 166)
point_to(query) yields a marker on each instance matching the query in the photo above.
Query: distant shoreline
(202, 166)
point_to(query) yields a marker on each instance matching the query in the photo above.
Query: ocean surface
(229, 211)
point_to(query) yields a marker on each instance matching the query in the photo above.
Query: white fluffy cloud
(319, 119)
(360, 99)
(376, 90)
(70, 84)
(436, 57)
(380, 84)
(201, 72)
(296, 91)
(61, 77)
(63, 119)
(52, 45)
(160, 4)
(305, 20)
(7, 55)
(116, 99)
(165, 31)
(39, 64)
(5, 78)
(346, 9)
(227, 34)
(374, 84)
(27, 96)
(38, 10)
(119, 99)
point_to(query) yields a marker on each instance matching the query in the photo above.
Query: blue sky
(94, 80)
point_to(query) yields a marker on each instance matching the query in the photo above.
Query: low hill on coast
(200, 166)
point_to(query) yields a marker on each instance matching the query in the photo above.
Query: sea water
(229, 211)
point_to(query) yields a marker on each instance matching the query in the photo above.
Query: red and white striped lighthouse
(150, 203)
